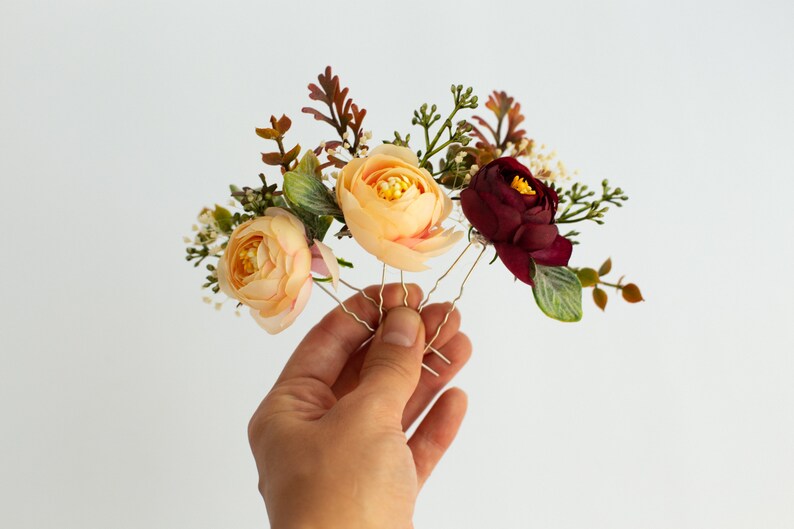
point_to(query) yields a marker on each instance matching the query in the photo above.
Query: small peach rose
(394, 209)
(268, 264)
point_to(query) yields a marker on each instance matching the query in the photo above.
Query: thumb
(393, 363)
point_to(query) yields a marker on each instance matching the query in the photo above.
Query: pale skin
(329, 439)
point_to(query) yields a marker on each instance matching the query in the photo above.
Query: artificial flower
(268, 267)
(394, 209)
(515, 211)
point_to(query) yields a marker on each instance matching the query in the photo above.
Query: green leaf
(307, 192)
(588, 277)
(320, 227)
(558, 293)
(344, 263)
(224, 218)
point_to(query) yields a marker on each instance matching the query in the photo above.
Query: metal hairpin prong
(360, 291)
(405, 288)
(367, 325)
(439, 354)
(345, 309)
(445, 274)
(382, 286)
(430, 370)
(455, 301)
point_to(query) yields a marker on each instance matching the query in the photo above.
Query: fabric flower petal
(518, 261)
(557, 254)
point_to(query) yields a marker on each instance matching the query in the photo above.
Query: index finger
(329, 345)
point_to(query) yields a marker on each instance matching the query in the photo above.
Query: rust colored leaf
(272, 158)
(605, 268)
(283, 124)
(290, 155)
(268, 134)
(600, 297)
(505, 109)
(632, 294)
(342, 114)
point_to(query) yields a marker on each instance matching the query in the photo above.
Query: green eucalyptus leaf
(304, 189)
(558, 293)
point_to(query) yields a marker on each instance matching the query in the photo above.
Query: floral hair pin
(483, 181)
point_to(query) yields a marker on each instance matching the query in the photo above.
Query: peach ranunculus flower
(268, 265)
(394, 209)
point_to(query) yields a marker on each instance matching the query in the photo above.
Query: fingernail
(401, 326)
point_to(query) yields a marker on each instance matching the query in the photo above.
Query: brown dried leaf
(290, 155)
(605, 268)
(272, 158)
(600, 297)
(268, 134)
(283, 124)
(632, 294)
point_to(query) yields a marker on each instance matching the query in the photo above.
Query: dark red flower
(515, 212)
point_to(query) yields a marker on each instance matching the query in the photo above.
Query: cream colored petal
(262, 289)
(440, 243)
(402, 257)
(421, 211)
(290, 238)
(369, 240)
(346, 177)
(295, 221)
(223, 279)
(298, 305)
(301, 269)
(273, 324)
(403, 153)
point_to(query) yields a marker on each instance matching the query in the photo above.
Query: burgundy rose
(515, 212)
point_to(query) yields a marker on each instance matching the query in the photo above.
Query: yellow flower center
(522, 186)
(248, 259)
(393, 188)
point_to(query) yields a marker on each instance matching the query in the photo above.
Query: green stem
(569, 217)
(432, 145)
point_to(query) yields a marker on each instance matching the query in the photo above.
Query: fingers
(328, 346)
(437, 431)
(393, 363)
(432, 316)
(458, 351)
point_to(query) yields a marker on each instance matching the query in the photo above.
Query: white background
(124, 399)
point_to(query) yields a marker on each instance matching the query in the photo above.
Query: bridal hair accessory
(474, 179)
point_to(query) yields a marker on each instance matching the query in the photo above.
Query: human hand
(329, 439)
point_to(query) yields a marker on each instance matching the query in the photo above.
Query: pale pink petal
(324, 262)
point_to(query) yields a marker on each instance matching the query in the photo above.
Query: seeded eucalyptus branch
(580, 204)
(427, 116)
